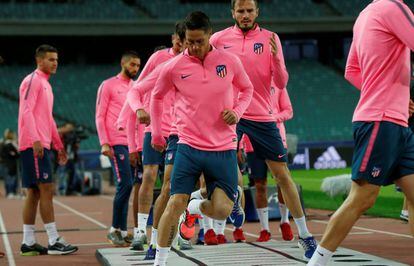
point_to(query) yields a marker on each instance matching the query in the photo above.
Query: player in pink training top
(261, 54)
(110, 99)
(37, 134)
(200, 76)
(378, 65)
(152, 159)
(258, 170)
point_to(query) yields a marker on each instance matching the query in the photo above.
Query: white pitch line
(6, 241)
(368, 229)
(80, 214)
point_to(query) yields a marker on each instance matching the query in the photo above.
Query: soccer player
(110, 99)
(258, 170)
(37, 135)
(152, 158)
(261, 54)
(378, 65)
(200, 76)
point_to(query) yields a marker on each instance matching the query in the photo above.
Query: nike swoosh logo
(320, 254)
(281, 156)
(185, 76)
(231, 220)
(227, 47)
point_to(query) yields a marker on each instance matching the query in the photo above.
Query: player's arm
(352, 69)
(29, 103)
(279, 73)
(62, 157)
(102, 103)
(400, 20)
(163, 85)
(285, 107)
(241, 80)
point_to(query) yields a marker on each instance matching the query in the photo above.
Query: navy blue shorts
(35, 170)
(219, 168)
(121, 166)
(149, 155)
(383, 153)
(171, 150)
(265, 139)
(257, 167)
(137, 171)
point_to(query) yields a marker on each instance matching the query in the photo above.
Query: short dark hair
(180, 30)
(233, 3)
(43, 49)
(130, 54)
(197, 20)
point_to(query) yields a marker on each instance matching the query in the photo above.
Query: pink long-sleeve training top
(110, 99)
(139, 98)
(36, 122)
(203, 90)
(262, 67)
(379, 61)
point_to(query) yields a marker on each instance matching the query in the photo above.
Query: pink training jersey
(203, 90)
(111, 97)
(139, 98)
(36, 122)
(261, 66)
(283, 111)
(379, 61)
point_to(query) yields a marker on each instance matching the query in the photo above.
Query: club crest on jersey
(258, 48)
(121, 157)
(221, 71)
(375, 172)
(45, 175)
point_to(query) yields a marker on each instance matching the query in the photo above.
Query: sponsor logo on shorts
(121, 157)
(169, 156)
(45, 175)
(376, 171)
(280, 156)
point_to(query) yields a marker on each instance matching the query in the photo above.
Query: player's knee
(177, 205)
(260, 186)
(223, 211)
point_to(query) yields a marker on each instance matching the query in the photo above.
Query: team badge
(258, 48)
(121, 157)
(170, 156)
(375, 172)
(221, 71)
(45, 175)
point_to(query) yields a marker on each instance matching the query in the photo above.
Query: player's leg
(57, 245)
(124, 188)
(284, 226)
(151, 161)
(187, 169)
(258, 171)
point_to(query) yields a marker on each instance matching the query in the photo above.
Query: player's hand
(411, 108)
(158, 143)
(230, 117)
(133, 159)
(38, 149)
(143, 117)
(107, 151)
(62, 157)
(273, 45)
(240, 156)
